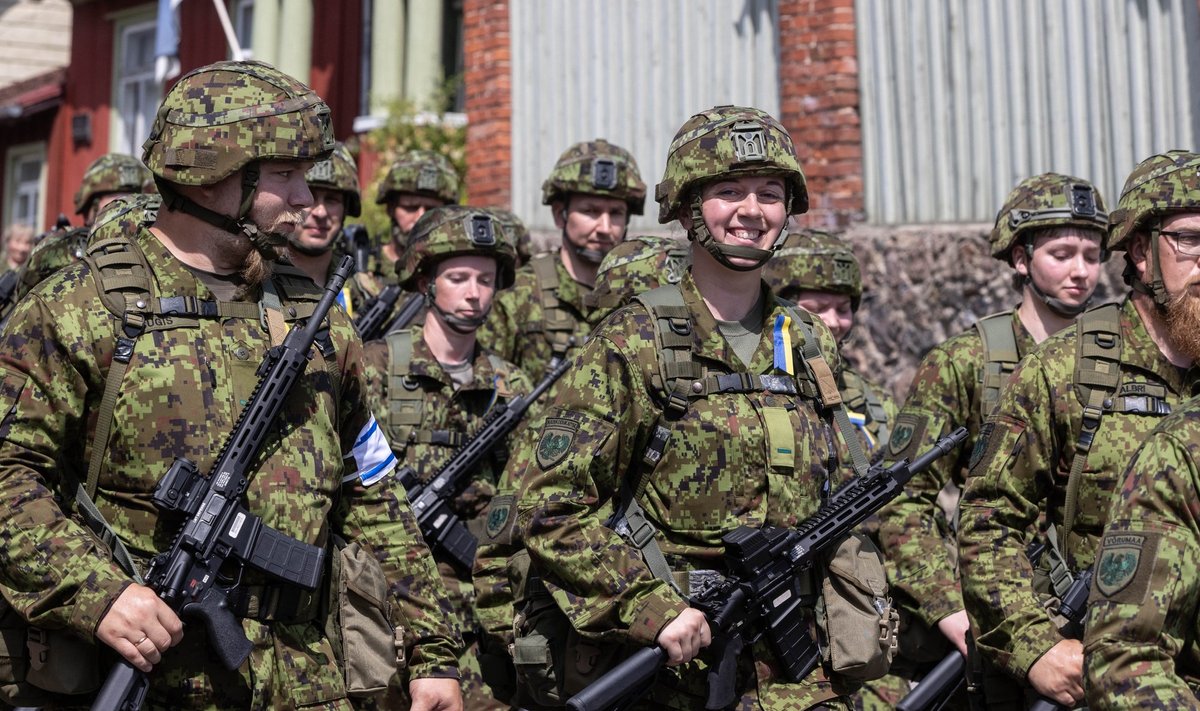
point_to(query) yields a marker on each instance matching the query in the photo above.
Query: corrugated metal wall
(632, 72)
(961, 99)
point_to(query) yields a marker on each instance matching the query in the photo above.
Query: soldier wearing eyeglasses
(1053, 452)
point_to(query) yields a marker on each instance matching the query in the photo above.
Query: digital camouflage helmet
(517, 233)
(230, 116)
(1045, 202)
(727, 142)
(1160, 186)
(812, 260)
(637, 265)
(456, 231)
(596, 168)
(421, 172)
(338, 172)
(112, 173)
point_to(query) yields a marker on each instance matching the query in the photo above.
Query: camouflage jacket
(1144, 617)
(444, 414)
(180, 397)
(516, 328)
(1019, 473)
(944, 395)
(732, 459)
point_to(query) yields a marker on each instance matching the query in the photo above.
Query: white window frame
(16, 156)
(239, 12)
(119, 140)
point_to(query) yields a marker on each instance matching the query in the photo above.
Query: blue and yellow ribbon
(783, 344)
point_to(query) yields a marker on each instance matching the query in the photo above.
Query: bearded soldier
(1052, 453)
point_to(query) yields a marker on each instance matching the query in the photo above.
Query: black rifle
(431, 501)
(219, 528)
(1073, 607)
(936, 687)
(358, 245)
(370, 323)
(761, 595)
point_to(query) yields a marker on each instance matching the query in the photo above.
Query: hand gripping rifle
(431, 501)
(371, 323)
(937, 687)
(761, 594)
(219, 527)
(1074, 607)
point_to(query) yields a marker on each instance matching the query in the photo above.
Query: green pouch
(857, 620)
(369, 649)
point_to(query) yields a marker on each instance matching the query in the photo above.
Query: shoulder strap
(557, 325)
(1097, 378)
(673, 338)
(404, 398)
(827, 389)
(1000, 358)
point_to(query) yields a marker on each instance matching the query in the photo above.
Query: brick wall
(818, 77)
(488, 84)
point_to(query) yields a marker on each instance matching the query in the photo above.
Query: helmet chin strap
(722, 252)
(1058, 306)
(266, 243)
(458, 324)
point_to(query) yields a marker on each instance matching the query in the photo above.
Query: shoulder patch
(985, 434)
(500, 518)
(907, 435)
(1125, 565)
(558, 437)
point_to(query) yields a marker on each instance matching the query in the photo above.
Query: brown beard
(1182, 320)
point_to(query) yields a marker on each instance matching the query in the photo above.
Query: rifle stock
(761, 592)
(219, 528)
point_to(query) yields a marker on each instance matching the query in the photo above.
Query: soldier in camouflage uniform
(191, 306)
(432, 386)
(1050, 231)
(313, 246)
(1140, 649)
(417, 182)
(752, 454)
(592, 190)
(106, 179)
(636, 265)
(1067, 424)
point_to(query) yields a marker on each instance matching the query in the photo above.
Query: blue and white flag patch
(372, 454)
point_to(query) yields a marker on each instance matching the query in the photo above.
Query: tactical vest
(1097, 384)
(126, 288)
(681, 379)
(557, 325)
(1000, 358)
(406, 400)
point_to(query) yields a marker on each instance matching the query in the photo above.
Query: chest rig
(557, 324)
(406, 399)
(680, 380)
(1098, 386)
(866, 409)
(126, 288)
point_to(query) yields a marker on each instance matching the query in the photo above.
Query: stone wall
(926, 283)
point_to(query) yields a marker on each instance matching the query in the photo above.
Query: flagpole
(235, 47)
